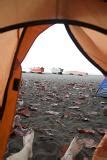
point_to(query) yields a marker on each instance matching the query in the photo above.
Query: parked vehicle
(78, 73)
(57, 70)
(39, 70)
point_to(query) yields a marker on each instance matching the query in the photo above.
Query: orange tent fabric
(91, 12)
(9, 104)
(22, 21)
(101, 150)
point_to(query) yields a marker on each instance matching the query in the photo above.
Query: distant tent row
(22, 21)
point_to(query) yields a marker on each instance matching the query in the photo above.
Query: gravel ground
(64, 106)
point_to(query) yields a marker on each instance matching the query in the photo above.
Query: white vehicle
(56, 70)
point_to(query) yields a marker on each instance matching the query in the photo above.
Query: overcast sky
(54, 48)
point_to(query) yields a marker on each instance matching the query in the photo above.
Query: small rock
(102, 131)
(78, 102)
(105, 111)
(85, 119)
(81, 97)
(67, 96)
(33, 108)
(93, 113)
(20, 102)
(86, 131)
(54, 104)
(74, 107)
(102, 102)
(24, 112)
(52, 113)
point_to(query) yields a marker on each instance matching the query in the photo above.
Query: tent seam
(54, 21)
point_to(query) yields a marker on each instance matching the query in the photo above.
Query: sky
(54, 48)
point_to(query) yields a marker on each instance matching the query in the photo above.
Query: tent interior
(85, 22)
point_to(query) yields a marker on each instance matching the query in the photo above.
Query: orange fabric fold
(101, 150)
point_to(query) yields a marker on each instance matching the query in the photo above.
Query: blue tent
(102, 91)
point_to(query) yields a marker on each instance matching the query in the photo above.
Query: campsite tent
(102, 90)
(21, 21)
